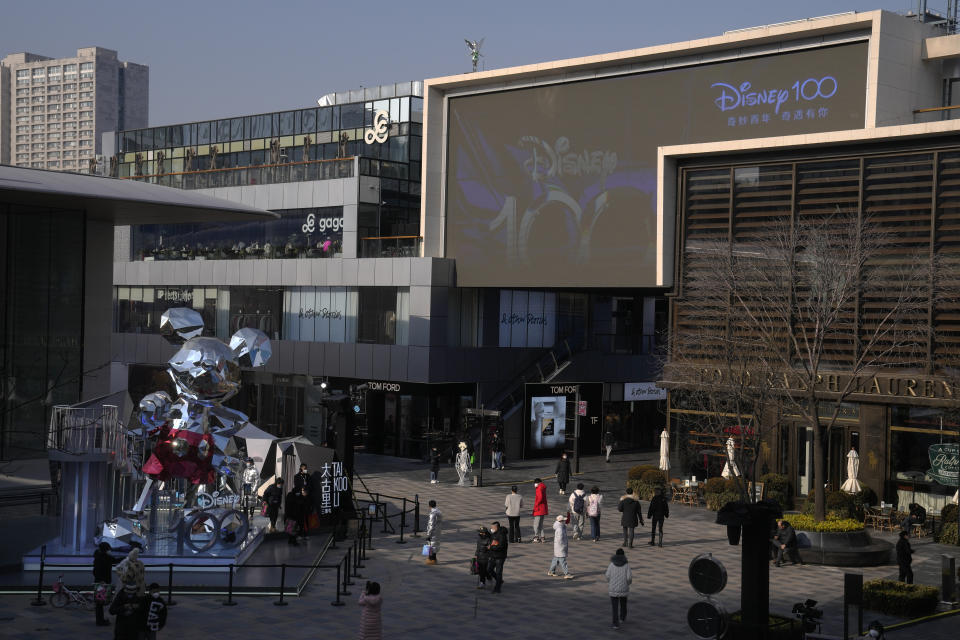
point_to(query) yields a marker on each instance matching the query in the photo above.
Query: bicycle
(64, 595)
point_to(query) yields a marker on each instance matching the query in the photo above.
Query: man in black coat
(103, 574)
(563, 473)
(434, 465)
(498, 554)
(658, 510)
(273, 497)
(131, 613)
(483, 556)
(632, 514)
(905, 558)
(786, 541)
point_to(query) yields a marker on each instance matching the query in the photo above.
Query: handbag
(426, 550)
(263, 509)
(474, 567)
(568, 517)
(101, 593)
(313, 521)
(290, 527)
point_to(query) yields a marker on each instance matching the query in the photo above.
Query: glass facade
(41, 352)
(302, 314)
(277, 139)
(315, 232)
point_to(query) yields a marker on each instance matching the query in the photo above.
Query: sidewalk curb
(915, 621)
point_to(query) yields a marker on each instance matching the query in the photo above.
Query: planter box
(846, 549)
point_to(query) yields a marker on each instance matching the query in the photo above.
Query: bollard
(333, 538)
(370, 537)
(283, 580)
(346, 568)
(403, 522)
(356, 556)
(363, 539)
(416, 515)
(337, 602)
(39, 601)
(170, 600)
(346, 578)
(230, 602)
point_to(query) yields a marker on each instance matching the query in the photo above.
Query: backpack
(593, 509)
(577, 502)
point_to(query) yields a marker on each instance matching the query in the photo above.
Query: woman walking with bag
(482, 556)
(594, 501)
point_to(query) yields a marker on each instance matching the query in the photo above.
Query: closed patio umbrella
(730, 466)
(852, 485)
(664, 451)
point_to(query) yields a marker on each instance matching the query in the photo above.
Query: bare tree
(733, 396)
(805, 299)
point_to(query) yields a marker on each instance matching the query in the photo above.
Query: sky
(216, 58)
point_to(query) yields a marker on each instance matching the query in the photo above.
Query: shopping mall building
(509, 238)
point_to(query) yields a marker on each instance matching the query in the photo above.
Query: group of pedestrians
(139, 610)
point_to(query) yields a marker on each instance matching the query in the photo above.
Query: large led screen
(555, 185)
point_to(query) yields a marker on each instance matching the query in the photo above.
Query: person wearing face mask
(250, 479)
(156, 612)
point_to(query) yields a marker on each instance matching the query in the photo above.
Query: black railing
(347, 568)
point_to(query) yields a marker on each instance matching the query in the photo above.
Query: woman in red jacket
(539, 509)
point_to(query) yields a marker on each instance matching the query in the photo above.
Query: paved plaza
(427, 602)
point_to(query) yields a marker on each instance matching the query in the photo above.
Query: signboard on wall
(550, 410)
(634, 391)
(944, 464)
(555, 185)
(527, 318)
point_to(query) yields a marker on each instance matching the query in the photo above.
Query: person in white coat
(463, 465)
(559, 549)
(618, 577)
(434, 528)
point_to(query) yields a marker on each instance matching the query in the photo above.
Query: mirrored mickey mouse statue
(193, 433)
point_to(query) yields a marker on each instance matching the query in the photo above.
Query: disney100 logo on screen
(796, 102)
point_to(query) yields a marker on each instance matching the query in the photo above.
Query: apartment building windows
(39, 75)
(86, 70)
(69, 72)
(53, 88)
(53, 74)
(23, 76)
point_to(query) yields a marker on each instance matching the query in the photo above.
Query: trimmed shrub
(948, 534)
(864, 498)
(806, 522)
(780, 628)
(777, 487)
(636, 472)
(719, 491)
(899, 598)
(949, 513)
(649, 481)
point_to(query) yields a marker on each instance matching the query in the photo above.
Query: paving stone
(434, 602)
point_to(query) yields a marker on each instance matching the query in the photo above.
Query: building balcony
(303, 171)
